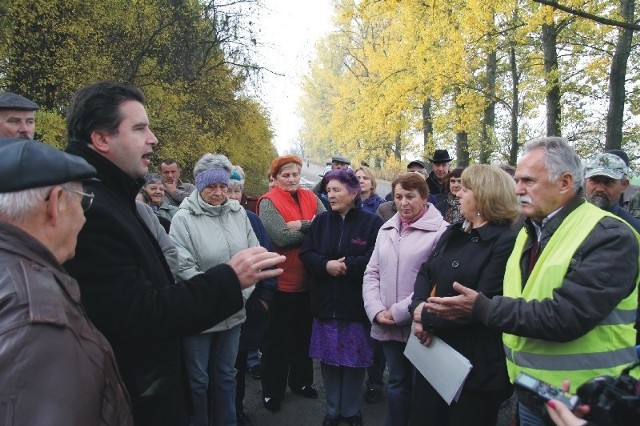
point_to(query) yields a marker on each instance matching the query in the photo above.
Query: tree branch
(583, 14)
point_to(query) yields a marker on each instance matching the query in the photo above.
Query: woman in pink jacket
(404, 243)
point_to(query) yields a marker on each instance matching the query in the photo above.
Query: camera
(534, 394)
(613, 401)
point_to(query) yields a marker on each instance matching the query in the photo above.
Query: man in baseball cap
(17, 116)
(606, 178)
(62, 355)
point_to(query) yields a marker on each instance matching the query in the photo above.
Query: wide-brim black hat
(441, 156)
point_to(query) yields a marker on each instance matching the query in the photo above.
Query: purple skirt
(341, 343)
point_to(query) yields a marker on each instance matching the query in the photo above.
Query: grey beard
(600, 201)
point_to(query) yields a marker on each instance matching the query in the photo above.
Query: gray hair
(16, 207)
(559, 158)
(212, 161)
(152, 178)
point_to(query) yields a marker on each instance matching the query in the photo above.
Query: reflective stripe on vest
(605, 349)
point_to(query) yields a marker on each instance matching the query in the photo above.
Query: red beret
(281, 161)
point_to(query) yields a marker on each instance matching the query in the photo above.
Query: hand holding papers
(443, 367)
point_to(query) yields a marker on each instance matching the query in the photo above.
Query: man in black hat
(127, 286)
(438, 176)
(17, 116)
(57, 367)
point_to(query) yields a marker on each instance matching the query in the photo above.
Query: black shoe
(271, 404)
(307, 391)
(331, 421)
(255, 372)
(373, 396)
(243, 419)
(355, 420)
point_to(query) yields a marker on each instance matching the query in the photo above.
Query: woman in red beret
(286, 212)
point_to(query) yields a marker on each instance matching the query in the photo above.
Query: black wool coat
(129, 294)
(476, 260)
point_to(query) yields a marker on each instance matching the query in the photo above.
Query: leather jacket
(56, 368)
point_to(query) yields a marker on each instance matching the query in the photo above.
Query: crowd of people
(132, 297)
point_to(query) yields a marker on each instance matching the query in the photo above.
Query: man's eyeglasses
(87, 198)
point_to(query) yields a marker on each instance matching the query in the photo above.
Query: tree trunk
(398, 147)
(515, 105)
(489, 118)
(617, 77)
(462, 149)
(427, 129)
(552, 77)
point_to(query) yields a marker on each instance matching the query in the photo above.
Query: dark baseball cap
(10, 100)
(32, 164)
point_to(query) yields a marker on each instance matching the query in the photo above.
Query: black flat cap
(10, 100)
(340, 159)
(418, 162)
(31, 164)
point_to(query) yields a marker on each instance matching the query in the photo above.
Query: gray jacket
(168, 249)
(206, 236)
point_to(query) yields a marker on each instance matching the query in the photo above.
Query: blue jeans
(211, 361)
(400, 384)
(528, 417)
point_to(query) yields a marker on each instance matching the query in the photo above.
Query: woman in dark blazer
(474, 253)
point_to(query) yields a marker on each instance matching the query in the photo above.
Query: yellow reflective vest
(606, 349)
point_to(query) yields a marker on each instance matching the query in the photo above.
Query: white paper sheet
(443, 367)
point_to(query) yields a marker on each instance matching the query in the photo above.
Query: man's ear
(100, 141)
(566, 182)
(625, 183)
(53, 205)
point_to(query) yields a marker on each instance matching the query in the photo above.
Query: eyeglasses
(87, 198)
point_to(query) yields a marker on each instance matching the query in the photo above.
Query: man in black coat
(126, 285)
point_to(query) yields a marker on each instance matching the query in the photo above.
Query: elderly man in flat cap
(17, 116)
(57, 368)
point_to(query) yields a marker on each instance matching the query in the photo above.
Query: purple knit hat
(211, 176)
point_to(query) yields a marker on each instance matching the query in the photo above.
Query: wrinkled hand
(337, 267)
(385, 318)
(294, 225)
(170, 187)
(452, 308)
(425, 337)
(252, 265)
(417, 313)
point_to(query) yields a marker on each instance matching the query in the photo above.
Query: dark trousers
(474, 407)
(375, 373)
(241, 366)
(285, 348)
